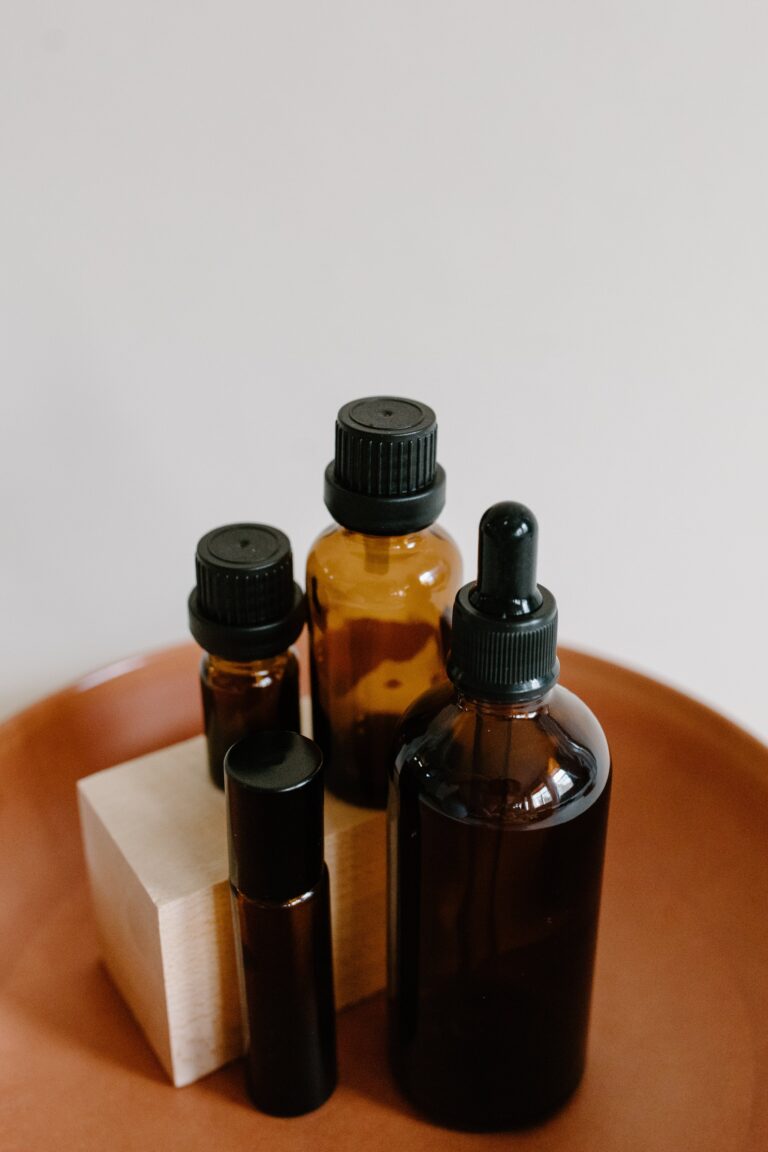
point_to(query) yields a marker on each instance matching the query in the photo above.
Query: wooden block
(154, 832)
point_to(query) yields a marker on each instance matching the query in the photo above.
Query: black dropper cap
(274, 786)
(385, 479)
(504, 638)
(246, 605)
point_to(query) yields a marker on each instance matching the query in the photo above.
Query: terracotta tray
(679, 1042)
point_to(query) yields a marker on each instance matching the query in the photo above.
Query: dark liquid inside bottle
(379, 619)
(369, 742)
(241, 699)
(494, 901)
(396, 660)
(288, 976)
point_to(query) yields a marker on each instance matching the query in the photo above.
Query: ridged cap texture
(386, 446)
(244, 574)
(245, 604)
(384, 478)
(500, 659)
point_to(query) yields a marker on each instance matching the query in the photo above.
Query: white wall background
(219, 221)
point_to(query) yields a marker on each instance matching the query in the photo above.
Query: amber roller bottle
(497, 818)
(281, 902)
(246, 611)
(380, 585)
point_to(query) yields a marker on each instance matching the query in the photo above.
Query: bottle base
(512, 1116)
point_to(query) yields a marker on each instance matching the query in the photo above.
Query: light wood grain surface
(155, 840)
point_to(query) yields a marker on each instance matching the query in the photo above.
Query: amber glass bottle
(246, 611)
(497, 818)
(380, 586)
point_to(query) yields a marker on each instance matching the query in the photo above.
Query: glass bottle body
(497, 821)
(242, 697)
(285, 961)
(379, 612)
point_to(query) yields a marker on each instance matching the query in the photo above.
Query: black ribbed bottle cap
(504, 638)
(385, 479)
(246, 604)
(274, 787)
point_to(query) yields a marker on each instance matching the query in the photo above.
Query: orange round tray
(679, 1038)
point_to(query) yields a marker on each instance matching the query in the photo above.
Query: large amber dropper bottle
(380, 585)
(497, 821)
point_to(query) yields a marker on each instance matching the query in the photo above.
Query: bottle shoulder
(347, 562)
(518, 766)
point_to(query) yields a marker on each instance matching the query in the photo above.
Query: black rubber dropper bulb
(505, 624)
(506, 571)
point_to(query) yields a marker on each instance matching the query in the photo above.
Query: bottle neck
(506, 709)
(378, 552)
(401, 542)
(265, 664)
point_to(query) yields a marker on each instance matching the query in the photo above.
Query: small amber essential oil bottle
(380, 585)
(246, 611)
(497, 820)
(281, 904)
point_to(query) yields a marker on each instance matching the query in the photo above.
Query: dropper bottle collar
(504, 638)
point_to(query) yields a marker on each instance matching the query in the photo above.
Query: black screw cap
(274, 786)
(385, 479)
(246, 604)
(504, 639)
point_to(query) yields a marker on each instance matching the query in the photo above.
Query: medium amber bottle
(380, 585)
(246, 611)
(497, 818)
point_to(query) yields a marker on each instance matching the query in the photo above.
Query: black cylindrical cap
(385, 479)
(274, 786)
(504, 638)
(246, 604)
